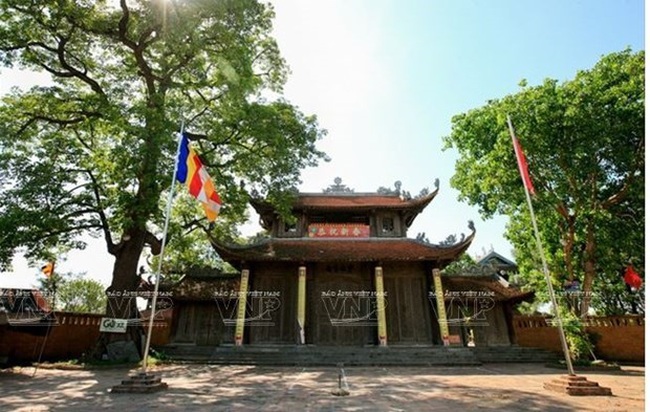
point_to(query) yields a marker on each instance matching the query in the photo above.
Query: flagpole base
(143, 382)
(577, 386)
(340, 392)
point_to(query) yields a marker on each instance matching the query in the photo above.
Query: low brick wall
(72, 335)
(617, 338)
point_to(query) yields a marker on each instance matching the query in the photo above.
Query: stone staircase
(310, 355)
(514, 354)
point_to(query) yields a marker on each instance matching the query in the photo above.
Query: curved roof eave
(352, 250)
(351, 202)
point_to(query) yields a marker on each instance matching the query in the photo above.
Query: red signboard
(354, 230)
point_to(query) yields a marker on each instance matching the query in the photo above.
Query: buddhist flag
(632, 278)
(48, 269)
(523, 166)
(192, 172)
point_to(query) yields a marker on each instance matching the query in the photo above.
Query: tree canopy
(73, 292)
(93, 152)
(584, 140)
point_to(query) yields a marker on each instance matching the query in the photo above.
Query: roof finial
(338, 187)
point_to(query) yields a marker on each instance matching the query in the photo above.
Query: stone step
(582, 383)
(578, 390)
(291, 355)
(140, 383)
(514, 354)
(375, 356)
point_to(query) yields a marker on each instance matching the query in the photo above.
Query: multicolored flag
(523, 166)
(48, 269)
(192, 172)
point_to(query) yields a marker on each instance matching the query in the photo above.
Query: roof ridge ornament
(388, 191)
(425, 191)
(338, 187)
(452, 240)
(406, 195)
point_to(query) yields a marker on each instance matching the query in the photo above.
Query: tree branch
(110, 245)
(154, 243)
(627, 183)
(137, 49)
(70, 230)
(74, 71)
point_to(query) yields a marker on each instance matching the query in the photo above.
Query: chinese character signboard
(354, 230)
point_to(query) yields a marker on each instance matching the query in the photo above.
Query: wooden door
(272, 308)
(341, 306)
(408, 318)
(200, 323)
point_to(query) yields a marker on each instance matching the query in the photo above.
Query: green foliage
(580, 346)
(584, 140)
(93, 153)
(70, 292)
(460, 265)
(82, 296)
(529, 308)
(614, 297)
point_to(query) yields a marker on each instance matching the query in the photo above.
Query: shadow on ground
(249, 388)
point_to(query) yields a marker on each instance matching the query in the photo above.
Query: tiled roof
(485, 284)
(498, 260)
(203, 288)
(357, 250)
(352, 201)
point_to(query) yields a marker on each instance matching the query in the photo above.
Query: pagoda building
(342, 272)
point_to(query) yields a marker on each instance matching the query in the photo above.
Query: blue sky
(385, 78)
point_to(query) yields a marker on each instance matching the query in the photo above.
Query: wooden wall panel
(272, 305)
(338, 311)
(408, 312)
(200, 323)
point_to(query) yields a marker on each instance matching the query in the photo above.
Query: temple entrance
(408, 317)
(341, 305)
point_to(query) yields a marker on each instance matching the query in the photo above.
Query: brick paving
(491, 387)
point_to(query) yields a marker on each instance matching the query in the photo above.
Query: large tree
(584, 139)
(93, 152)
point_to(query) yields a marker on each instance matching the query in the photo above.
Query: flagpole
(549, 284)
(170, 198)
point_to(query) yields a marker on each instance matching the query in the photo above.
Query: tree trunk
(121, 301)
(590, 270)
(568, 244)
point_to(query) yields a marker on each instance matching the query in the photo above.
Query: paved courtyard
(493, 387)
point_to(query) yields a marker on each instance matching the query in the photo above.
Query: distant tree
(585, 143)
(71, 292)
(81, 295)
(461, 265)
(49, 286)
